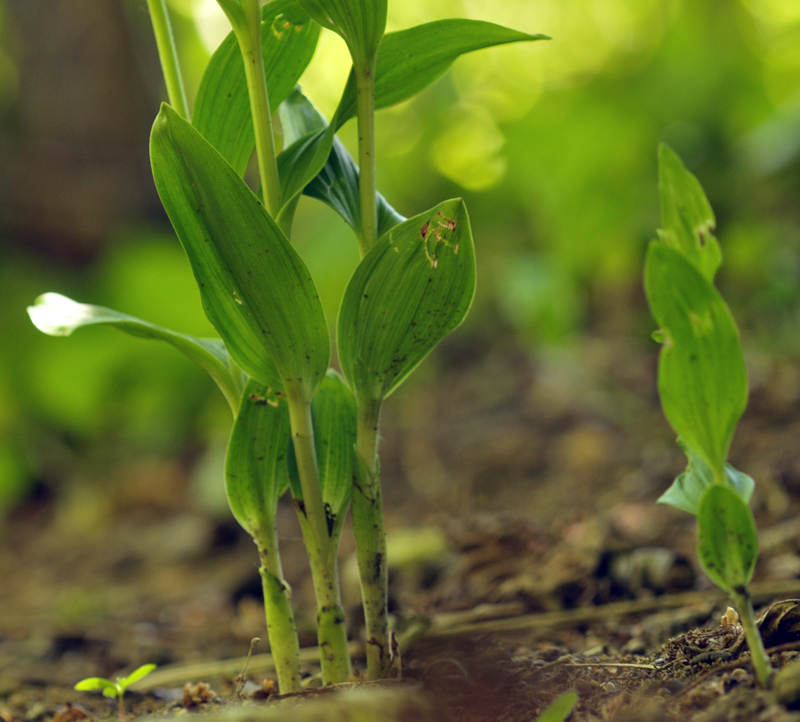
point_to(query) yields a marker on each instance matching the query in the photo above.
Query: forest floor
(528, 558)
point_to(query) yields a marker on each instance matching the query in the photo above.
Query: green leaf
(302, 161)
(58, 315)
(414, 286)
(93, 683)
(560, 709)
(702, 379)
(360, 22)
(255, 464)
(686, 215)
(222, 108)
(727, 543)
(334, 413)
(337, 184)
(688, 489)
(136, 675)
(255, 288)
(411, 60)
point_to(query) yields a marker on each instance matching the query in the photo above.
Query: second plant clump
(702, 381)
(299, 424)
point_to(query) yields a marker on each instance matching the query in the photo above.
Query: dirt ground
(529, 558)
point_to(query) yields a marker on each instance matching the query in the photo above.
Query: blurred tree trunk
(73, 142)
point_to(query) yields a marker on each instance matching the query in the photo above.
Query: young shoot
(702, 382)
(115, 690)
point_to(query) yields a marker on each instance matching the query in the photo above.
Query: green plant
(115, 689)
(702, 382)
(297, 423)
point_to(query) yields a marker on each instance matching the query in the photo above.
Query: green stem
(168, 54)
(365, 89)
(248, 34)
(755, 643)
(370, 539)
(331, 631)
(331, 628)
(281, 627)
(313, 508)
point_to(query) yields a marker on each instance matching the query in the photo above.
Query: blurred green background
(552, 144)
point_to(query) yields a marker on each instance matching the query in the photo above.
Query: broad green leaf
(137, 674)
(222, 108)
(255, 464)
(255, 288)
(334, 413)
(411, 60)
(686, 215)
(302, 160)
(337, 183)
(727, 543)
(58, 315)
(702, 379)
(92, 683)
(111, 692)
(361, 23)
(688, 489)
(560, 709)
(413, 287)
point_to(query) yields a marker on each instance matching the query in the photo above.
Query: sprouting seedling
(115, 689)
(702, 382)
(299, 424)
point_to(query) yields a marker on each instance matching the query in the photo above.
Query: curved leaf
(92, 683)
(360, 22)
(137, 674)
(727, 542)
(702, 379)
(414, 286)
(686, 215)
(688, 489)
(222, 108)
(256, 290)
(337, 183)
(560, 709)
(58, 315)
(411, 60)
(255, 464)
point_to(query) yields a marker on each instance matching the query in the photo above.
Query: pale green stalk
(168, 54)
(365, 89)
(370, 538)
(246, 21)
(331, 631)
(758, 655)
(281, 627)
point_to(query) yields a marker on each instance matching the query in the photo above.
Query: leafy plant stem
(313, 508)
(248, 34)
(281, 626)
(370, 539)
(168, 54)
(365, 90)
(761, 665)
(331, 630)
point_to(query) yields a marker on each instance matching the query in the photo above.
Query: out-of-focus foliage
(552, 144)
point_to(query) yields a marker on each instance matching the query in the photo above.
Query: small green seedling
(298, 423)
(115, 689)
(702, 382)
(560, 709)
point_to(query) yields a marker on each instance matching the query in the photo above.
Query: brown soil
(550, 566)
